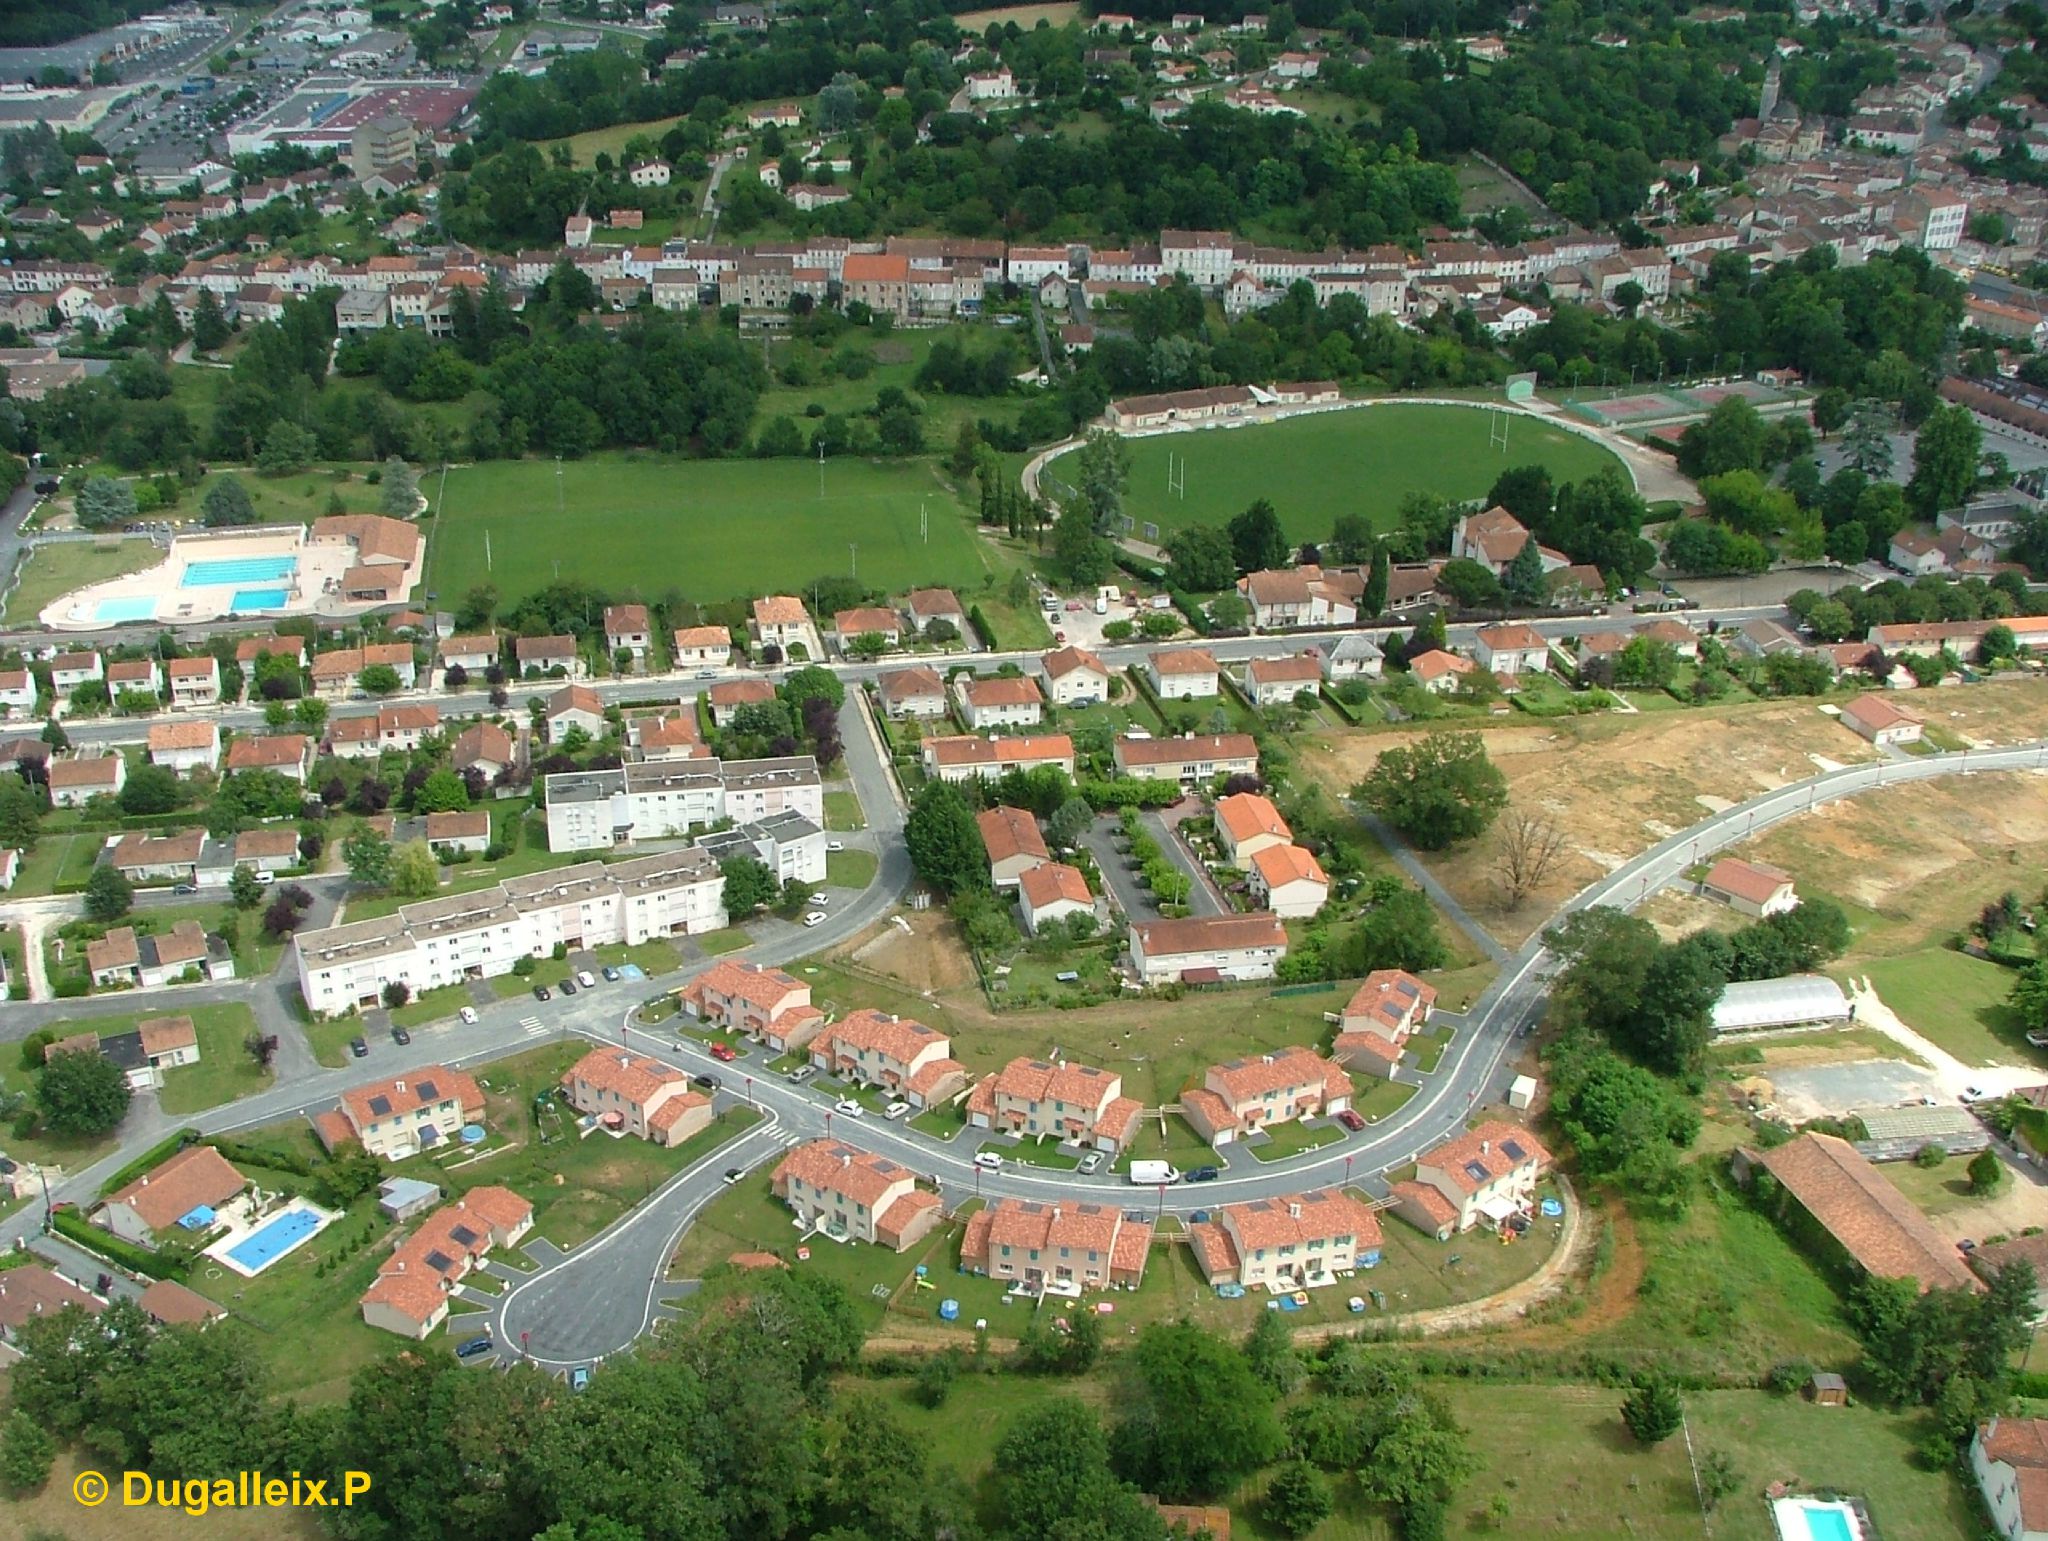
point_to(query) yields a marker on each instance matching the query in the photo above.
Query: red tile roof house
(1488, 1173)
(401, 1116)
(1067, 1245)
(1277, 681)
(728, 696)
(1192, 758)
(2009, 1459)
(780, 620)
(1289, 881)
(289, 754)
(856, 1195)
(916, 692)
(70, 670)
(1183, 673)
(1247, 1095)
(1074, 674)
(893, 1053)
(413, 1285)
(197, 1177)
(194, 681)
(185, 746)
(1057, 1099)
(1207, 949)
(1379, 1018)
(638, 1096)
(1002, 702)
(869, 620)
(924, 606)
(77, 781)
(1247, 824)
(575, 706)
(486, 746)
(966, 758)
(539, 656)
(1750, 888)
(701, 647)
(764, 1003)
(1515, 649)
(1874, 718)
(1439, 672)
(1281, 1243)
(1014, 844)
(675, 737)
(1875, 1226)
(473, 655)
(32, 1291)
(627, 628)
(1052, 892)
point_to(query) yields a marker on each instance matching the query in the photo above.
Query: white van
(1153, 1174)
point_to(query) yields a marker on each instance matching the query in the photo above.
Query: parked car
(585, 978)
(1202, 1174)
(579, 1378)
(473, 1347)
(835, 845)
(815, 918)
(184, 888)
(706, 1081)
(725, 1052)
(358, 1048)
(733, 1174)
(468, 1016)
(1351, 1120)
(821, 900)
(543, 993)
(896, 1110)
(803, 1073)
(988, 1161)
(568, 987)
(1090, 1163)
(849, 1107)
(400, 1036)
(610, 972)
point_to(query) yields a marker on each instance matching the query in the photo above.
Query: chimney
(1294, 1211)
(1055, 1213)
(1486, 1147)
(398, 1086)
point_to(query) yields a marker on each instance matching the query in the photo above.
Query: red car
(724, 1051)
(1351, 1120)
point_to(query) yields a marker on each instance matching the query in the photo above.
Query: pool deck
(314, 586)
(221, 1250)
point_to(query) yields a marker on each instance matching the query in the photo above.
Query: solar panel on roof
(440, 1261)
(380, 1104)
(1512, 1150)
(428, 1091)
(463, 1234)
(1476, 1170)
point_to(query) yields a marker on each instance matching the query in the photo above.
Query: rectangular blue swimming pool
(132, 607)
(258, 1250)
(259, 599)
(241, 569)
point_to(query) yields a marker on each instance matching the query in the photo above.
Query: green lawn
(1957, 1001)
(729, 939)
(52, 571)
(225, 1070)
(842, 811)
(1359, 461)
(611, 141)
(715, 530)
(1382, 1098)
(1292, 1138)
(851, 869)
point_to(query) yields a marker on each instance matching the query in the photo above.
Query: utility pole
(852, 560)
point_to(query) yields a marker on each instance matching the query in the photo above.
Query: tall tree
(108, 893)
(1523, 580)
(399, 493)
(945, 842)
(1374, 601)
(1945, 457)
(82, 1095)
(1256, 540)
(1198, 1421)
(1438, 791)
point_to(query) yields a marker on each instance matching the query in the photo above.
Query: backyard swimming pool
(260, 599)
(1813, 1519)
(241, 569)
(259, 1249)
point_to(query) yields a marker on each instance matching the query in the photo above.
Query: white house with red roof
(1382, 1014)
(895, 1054)
(1063, 1245)
(1749, 887)
(403, 1114)
(1289, 881)
(196, 1178)
(1486, 1174)
(1057, 1099)
(638, 1096)
(1511, 649)
(1051, 893)
(2009, 1459)
(1244, 1096)
(764, 1003)
(1248, 823)
(1284, 1243)
(856, 1195)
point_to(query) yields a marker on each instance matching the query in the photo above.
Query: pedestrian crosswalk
(533, 1027)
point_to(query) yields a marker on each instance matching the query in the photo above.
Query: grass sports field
(711, 529)
(1359, 461)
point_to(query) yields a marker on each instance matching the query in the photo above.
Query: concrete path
(1411, 864)
(1956, 1078)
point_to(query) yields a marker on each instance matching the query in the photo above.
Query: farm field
(1023, 16)
(1360, 461)
(713, 530)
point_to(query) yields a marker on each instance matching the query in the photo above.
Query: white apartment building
(653, 800)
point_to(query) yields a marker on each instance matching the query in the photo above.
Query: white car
(988, 1161)
(849, 1107)
(815, 918)
(468, 1015)
(586, 979)
(821, 900)
(835, 845)
(896, 1110)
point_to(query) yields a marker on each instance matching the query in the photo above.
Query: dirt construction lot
(1617, 784)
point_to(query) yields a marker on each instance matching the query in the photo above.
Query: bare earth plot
(1615, 784)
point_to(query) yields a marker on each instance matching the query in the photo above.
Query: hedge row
(125, 1254)
(982, 629)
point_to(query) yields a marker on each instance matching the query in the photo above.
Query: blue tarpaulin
(197, 1220)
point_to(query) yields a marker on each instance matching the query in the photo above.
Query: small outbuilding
(1827, 1389)
(1522, 1091)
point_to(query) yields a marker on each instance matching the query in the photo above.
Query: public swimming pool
(241, 569)
(260, 599)
(130, 607)
(258, 1250)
